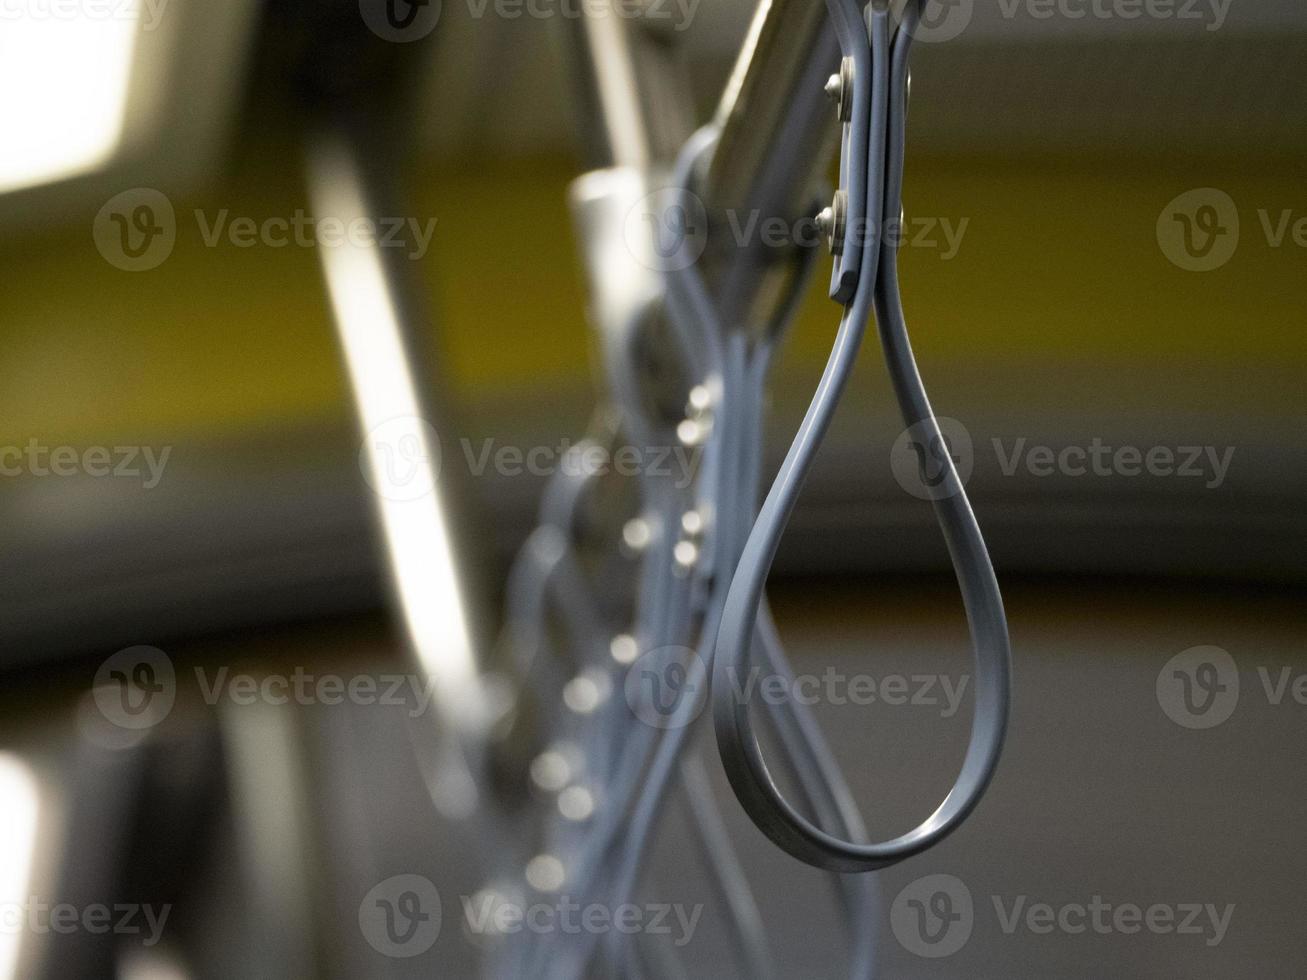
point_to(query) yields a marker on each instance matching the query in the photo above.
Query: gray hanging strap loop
(737, 743)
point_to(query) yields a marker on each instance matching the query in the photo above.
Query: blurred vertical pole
(274, 838)
(630, 85)
(378, 319)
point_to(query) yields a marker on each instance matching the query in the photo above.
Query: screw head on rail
(831, 221)
(833, 87)
(839, 89)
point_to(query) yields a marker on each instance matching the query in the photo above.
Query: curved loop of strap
(877, 285)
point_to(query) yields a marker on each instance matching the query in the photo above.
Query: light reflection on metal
(389, 403)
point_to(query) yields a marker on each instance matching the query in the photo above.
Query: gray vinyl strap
(715, 610)
(737, 742)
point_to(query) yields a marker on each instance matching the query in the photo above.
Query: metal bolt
(686, 554)
(624, 649)
(700, 400)
(545, 873)
(636, 535)
(831, 221)
(692, 524)
(550, 771)
(839, 89)
(697, 424)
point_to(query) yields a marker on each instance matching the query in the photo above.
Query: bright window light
(18, 822)
(64, 73)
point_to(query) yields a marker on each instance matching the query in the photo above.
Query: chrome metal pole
(777, 136)
(777, 130)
